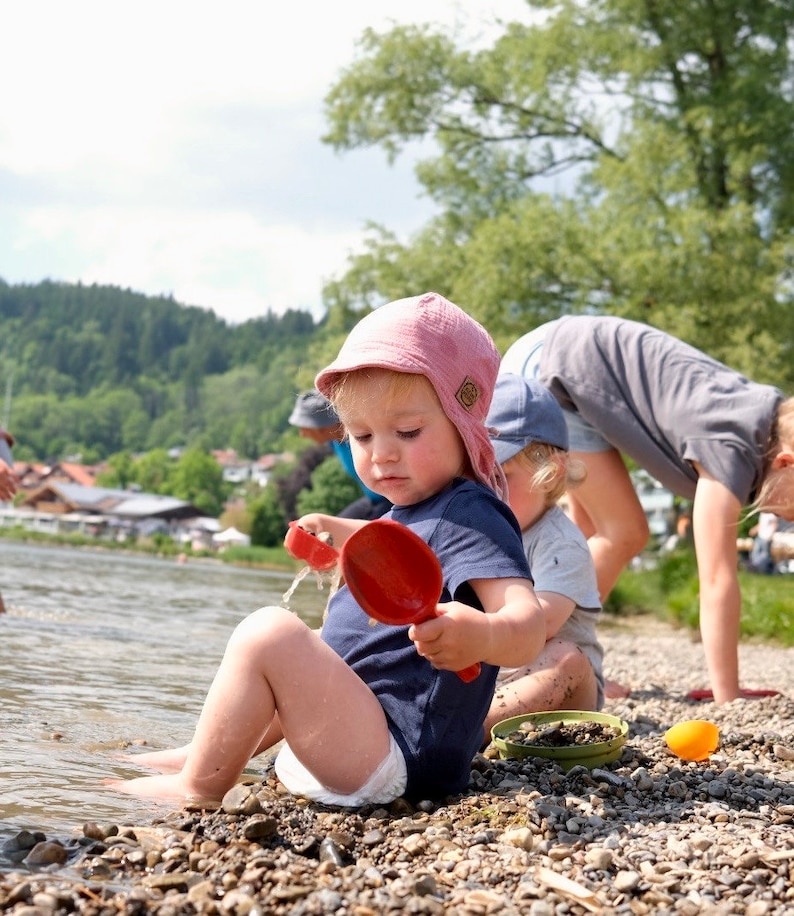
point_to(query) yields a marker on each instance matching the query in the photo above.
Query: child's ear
(783, 459)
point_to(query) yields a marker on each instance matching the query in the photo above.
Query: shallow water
(99, 649)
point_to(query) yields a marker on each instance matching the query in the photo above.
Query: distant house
(32, 475)
(70, 472)
(234, 468)
(29, 473)
(72, 506)
(263, 467)
(239, 470)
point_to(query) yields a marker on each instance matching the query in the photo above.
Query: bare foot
(168, 761)
(615, 691)
(169, 786)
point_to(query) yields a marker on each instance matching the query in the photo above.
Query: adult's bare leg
(606, 508)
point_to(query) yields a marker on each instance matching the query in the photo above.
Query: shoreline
(649, 833)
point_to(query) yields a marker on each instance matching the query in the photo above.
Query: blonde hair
(785, 424)
(782, 438)
(551, 469)
(355, 387)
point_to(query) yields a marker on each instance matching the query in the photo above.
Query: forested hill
(96, 370)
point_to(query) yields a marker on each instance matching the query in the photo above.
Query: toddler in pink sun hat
(412, 385)
(431, 336)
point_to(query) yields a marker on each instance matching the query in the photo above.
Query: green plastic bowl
(587, 755)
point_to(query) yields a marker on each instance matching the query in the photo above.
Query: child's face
(527, 502)
(403, 444)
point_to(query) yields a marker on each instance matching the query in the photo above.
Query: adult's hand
(8, 481)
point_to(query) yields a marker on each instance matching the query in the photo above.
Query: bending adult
(702, 429)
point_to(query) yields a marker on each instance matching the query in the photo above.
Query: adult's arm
(715, 515)
(8, 481)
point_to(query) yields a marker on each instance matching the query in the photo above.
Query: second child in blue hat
(530, 440)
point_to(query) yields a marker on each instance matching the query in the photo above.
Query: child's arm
(556, 609)
(340, 529)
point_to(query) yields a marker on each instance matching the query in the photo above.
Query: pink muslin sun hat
(431, 336)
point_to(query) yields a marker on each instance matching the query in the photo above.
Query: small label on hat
(468, 394)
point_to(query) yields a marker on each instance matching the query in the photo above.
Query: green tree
(153, 471)
(198, 478)
(268, 524)
(331, 489)
(97, 370)
(616, 155)
(120, 473)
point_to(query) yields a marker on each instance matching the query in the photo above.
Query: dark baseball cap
(313, 410)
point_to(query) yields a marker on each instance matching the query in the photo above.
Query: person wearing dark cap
(316, 419)
(8, 480)
(530, 440)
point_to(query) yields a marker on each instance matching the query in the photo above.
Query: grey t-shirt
(661, 402)
(560, 561)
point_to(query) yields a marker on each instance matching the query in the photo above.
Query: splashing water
(332, 577)
(300, 575)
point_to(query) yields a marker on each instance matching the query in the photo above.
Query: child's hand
(454, 640)
(314, 522)
(325, 526)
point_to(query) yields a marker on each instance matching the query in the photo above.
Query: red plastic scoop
(304, 545)
(391, 572)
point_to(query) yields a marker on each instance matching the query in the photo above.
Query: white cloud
(174, 147)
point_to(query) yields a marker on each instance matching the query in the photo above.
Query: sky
(174, 148)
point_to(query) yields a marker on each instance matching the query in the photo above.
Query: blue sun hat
(523, 411)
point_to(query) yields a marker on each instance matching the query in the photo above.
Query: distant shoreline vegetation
(275, 558)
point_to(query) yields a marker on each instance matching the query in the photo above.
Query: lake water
(98, 649)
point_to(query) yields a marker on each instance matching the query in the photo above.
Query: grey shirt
(560, 562)
(661, 402)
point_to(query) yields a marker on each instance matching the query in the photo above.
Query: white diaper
(386, 783)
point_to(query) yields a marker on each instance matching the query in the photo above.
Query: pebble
(646, 834)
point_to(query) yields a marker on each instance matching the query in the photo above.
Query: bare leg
(560, 678)
(606, 508)
(172, 760)
(274, 662)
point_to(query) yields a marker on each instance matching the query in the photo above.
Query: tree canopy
(96, 370)
(633, 157)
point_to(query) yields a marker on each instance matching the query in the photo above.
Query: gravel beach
(648, 833)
